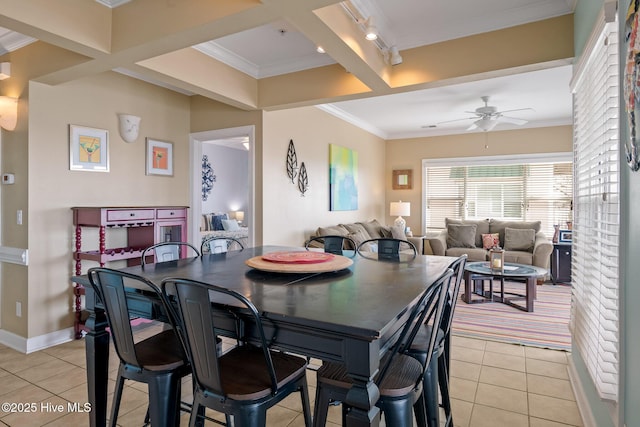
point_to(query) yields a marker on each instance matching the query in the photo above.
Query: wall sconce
(5, 70)
(129, 127)
(8, 112)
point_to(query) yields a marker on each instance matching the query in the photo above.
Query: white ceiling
(278, 47)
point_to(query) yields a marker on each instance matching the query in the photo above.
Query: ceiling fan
(488, 116)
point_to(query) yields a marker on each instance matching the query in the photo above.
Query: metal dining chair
(245, 381)
(219, 244)
(166, 251)
(400, 377)
(387, 248)
(159, 361)
(334, 244)
(437, 372)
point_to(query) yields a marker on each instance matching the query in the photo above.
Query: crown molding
(112, 3)
(341, 114)
(11, 41)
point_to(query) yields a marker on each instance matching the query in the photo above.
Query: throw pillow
(397, 232)
(332, 231)
(461, 236)
(519, 239)
(355, 228)
(373, 227)
(230, 225)
(359, 237)
(216, 221)
(490, 240)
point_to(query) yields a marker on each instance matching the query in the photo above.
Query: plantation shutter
(528, 188)
(595, 315)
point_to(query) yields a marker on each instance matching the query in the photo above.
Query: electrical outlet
(19, 217)
(18, 309)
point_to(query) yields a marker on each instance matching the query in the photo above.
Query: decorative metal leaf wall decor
(292, 162)
(208, 178)
(303, 179)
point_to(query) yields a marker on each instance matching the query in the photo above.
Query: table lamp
(400, 209)
(239, 216)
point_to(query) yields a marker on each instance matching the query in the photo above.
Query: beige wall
(53, 188)
(409, 153)
(289, 218)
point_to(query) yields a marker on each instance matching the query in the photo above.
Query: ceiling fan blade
(517, 109)
(457, 120)
(513, 120)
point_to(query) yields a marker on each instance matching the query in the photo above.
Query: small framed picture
(402, 179)
(159, 157)
(564, 236)
(88, 149)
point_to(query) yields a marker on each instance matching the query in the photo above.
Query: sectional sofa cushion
(461, 236)
(373, 227)
(519, 239)
(498, 226)
(482, 227)
(335, 230)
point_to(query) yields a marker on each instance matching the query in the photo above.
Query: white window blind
(521, 190)
(594, 317)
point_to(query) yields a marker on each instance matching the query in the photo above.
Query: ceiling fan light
(486, 123)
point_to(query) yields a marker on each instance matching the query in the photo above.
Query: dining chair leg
(117, 396)
(443, 381)
(430, 392)
(398, 413)
(323, 397)
(197, 411)
(306, 404)
(251, 416)
(164, 400)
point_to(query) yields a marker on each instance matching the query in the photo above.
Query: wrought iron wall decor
(303, 179)
(208, 178)
(292, 162)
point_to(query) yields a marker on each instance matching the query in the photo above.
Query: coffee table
(475, 274)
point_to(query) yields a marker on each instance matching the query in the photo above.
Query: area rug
(547, 326)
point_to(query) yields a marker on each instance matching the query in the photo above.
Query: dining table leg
(97, 353)
(362, 364)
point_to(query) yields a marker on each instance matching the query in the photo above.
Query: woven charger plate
(338, 262)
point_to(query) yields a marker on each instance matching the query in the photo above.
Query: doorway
(243, 198)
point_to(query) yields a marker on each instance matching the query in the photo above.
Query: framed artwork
(88, 149)
(402, 179)
(565, 236)
(159, 157)
(343, 178)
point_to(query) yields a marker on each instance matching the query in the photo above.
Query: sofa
(361, 231)
(522, 241)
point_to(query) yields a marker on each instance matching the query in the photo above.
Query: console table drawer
(130, 214)
(171, 213)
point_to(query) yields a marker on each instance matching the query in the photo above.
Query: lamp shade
(239, 216)
(400, 209)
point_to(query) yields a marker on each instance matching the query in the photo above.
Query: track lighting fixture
(371, 32)
(394, 56)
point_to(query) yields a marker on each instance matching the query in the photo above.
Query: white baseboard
(581, 398)
(29, 345)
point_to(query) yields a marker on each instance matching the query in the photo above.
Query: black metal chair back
(246, 380)
(157, 361)
(429, 309)
(198, 328)
(387, 248)
(166, 251)
(334, 244)
(219, 244)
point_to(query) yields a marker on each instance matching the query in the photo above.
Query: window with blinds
(525, 189)
(594, 318)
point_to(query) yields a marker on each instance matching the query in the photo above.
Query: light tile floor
(492, 385)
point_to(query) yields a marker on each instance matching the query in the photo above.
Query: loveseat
(522, 241)
(361, 231)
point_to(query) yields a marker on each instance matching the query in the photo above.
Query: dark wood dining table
(348, 316)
